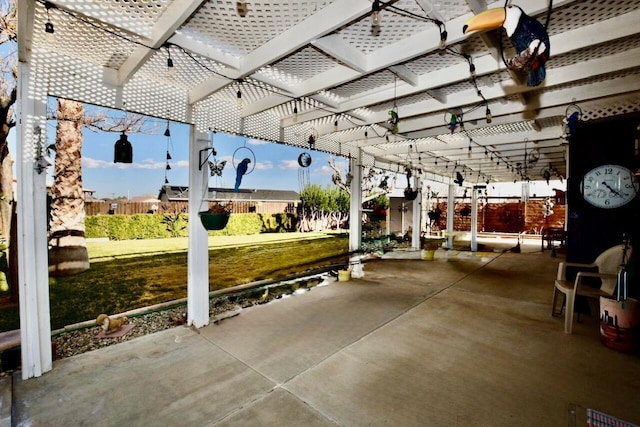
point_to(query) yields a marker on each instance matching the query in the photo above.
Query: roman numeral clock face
(609, 186)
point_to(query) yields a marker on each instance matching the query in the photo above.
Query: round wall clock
(609, 186)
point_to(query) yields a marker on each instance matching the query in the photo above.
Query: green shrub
(158, 226)
(139, 226)
(240, 225)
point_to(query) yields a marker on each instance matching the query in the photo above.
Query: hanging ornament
(167, 133)
(216, 167)
(394, 119)
(242, 166)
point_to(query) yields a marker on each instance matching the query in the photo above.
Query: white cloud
(90, 163)
(263, 166)
(288, 164)
(257, 142)
(324, 170)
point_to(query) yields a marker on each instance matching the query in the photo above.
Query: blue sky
(276, 166)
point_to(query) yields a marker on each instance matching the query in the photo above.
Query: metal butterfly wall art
(216, 167)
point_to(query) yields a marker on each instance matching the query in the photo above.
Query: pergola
(314, 73)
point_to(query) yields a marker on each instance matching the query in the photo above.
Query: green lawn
(125, 275)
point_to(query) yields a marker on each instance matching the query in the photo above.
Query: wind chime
(304, 161)
(167, 167)
(394, 118)
(409, 193)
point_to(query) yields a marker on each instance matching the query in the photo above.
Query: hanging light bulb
(366, 134)
(488, 115)
(335, 125)
(443, 35)
(168, 156)
(239, 98)
(295, 111)
(166, 180)
(171, 70)
(168, 167)
(375, 14)
(241, 7)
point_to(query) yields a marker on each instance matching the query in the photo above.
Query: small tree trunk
(68, 247)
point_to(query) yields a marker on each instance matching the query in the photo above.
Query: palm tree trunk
(68, 247)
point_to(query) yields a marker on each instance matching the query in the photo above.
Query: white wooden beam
(198, 250)
(33, 274)
(355, 204)
(344, 52)
(405, 74)
(172, 18)
(315, 26)
(26, 15)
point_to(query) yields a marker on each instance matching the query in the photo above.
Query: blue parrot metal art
(240, 172)
(527, 35)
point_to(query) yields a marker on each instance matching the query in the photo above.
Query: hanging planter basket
(410, 194)
(214, 221)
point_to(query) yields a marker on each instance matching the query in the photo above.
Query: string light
(375, 15)
(377, 7)
(242, 9)
(171, 70)
(488, 116)
(295, 110)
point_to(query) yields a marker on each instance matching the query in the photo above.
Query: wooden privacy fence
(131, 208)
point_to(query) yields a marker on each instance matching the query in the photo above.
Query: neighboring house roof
(181, 193)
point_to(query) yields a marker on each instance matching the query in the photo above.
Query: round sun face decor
(609, 186)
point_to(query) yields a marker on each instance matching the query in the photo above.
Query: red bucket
(620, 324)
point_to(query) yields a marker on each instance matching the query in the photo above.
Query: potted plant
(217, 217)
(430, 245)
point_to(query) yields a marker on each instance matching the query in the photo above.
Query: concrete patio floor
(464, 340)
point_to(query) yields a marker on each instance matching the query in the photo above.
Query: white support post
(451, 209)
(526, 190)
(355, 208)
(474, 220)
(416, 209)
(198, 252)
(33, 272)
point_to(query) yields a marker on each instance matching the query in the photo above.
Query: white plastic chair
(607, 264)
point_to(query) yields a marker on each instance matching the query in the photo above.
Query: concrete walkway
(464, 340)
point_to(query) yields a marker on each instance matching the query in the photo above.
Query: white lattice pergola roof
(321, 58)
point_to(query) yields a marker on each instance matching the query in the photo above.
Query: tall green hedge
(156, 226)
